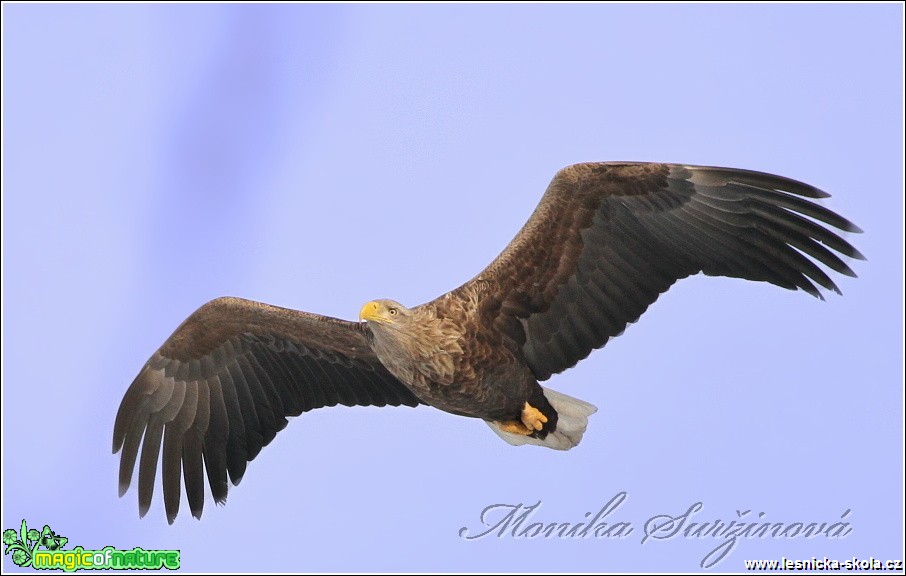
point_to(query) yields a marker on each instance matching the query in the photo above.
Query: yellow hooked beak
(371, 311)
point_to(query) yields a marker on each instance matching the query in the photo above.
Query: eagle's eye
(393, 311)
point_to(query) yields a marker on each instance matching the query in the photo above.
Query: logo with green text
(44, 551)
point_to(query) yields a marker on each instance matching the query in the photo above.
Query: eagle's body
(448, 359)
(604, 242)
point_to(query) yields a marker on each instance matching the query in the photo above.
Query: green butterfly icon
(50, 540)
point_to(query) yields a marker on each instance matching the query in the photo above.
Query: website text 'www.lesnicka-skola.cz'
(817, 564)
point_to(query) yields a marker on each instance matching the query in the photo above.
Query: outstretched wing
(608, 238)
(221, 386)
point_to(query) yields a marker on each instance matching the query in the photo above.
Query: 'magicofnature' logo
(44, 551)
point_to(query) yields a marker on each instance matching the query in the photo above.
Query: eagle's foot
(533, 419)
(514, 427)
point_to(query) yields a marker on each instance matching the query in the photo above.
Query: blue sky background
(158, 156)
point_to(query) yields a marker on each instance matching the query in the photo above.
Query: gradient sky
(319, 156)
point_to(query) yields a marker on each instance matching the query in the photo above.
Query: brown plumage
(604, 242)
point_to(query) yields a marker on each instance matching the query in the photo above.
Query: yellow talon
(533, 418)
(514, 427)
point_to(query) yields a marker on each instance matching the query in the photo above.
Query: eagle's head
(385, 313)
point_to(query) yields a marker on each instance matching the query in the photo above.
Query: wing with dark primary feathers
(608, 238)
(221, 386)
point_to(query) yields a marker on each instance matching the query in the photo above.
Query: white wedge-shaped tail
(572, 420)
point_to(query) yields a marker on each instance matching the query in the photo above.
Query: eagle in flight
(604, 242)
